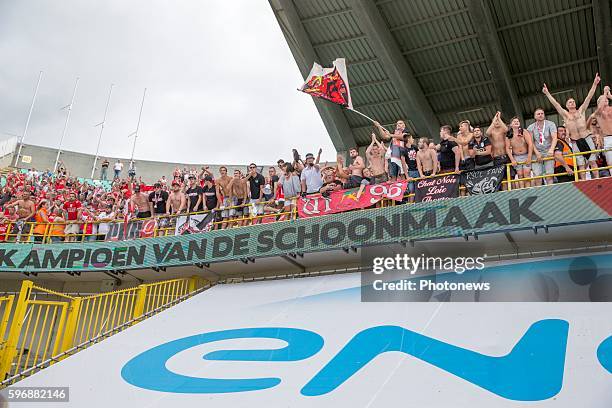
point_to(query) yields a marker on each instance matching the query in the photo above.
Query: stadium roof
(435, 62)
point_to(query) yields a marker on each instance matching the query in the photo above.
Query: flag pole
(137, 127)
(93, 169)
(25, 130)
(59, 148)
(359, 113)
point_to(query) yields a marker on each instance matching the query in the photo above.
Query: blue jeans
(103, 173)
(411, 185)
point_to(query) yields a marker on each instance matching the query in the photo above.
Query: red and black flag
(329, 83)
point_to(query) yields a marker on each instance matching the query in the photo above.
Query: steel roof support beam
(496, 61)
(304, 54)
(385, 47)
(603, 37)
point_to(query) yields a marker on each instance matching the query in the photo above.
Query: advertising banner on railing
(500, 212)
(484, 181)
(193, 224)
(346, 200)
(437, 188)
(132, 229)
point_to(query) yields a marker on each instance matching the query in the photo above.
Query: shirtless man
(223, 182)
(464, 137)
(519, 148)
(604, 118)
(141, 202)
(238, 192)
(177, 202)
(496, 133)
(25, 209)
(575, 123)
(375, 154)
(355, 169)
(427, 159)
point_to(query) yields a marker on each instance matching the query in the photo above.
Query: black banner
(484, 181)
(133, 229)
(437, 188)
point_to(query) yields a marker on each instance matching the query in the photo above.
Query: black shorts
(503, 160)
(353, 182)
(467, 164)
(144, 214)
(239, 210)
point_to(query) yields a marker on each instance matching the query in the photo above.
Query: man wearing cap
(311, 176)
(157, 200)
(194, 195)
(141, 202)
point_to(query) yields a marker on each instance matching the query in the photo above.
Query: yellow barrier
(49, 330)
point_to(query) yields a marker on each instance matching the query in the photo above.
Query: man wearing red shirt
(72, 210)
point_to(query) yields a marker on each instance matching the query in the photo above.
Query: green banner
(504, 211)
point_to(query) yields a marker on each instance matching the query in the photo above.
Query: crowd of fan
(63, 208)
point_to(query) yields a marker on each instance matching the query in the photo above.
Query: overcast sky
(221, 79)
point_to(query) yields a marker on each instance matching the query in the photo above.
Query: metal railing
(41, 332)
(26, 231)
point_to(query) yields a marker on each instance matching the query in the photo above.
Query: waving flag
(329, 83)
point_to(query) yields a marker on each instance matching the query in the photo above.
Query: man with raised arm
(575, 123)
(375, 154)
(544, 133)
(396, 146)
(604, 118)
(496, 133)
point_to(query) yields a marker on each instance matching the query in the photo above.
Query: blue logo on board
(531, 371)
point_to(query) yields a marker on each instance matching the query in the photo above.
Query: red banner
(346, 200)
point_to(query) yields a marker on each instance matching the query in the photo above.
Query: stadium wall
(79, 164)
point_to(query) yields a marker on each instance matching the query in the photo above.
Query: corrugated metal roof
(550, 41)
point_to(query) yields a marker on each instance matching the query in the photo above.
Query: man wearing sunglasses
(256, 183)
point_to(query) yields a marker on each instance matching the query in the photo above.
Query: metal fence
(41, 332)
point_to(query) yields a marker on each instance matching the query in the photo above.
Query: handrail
(41, 328)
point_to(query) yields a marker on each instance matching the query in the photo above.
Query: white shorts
(72, 229)
(227, 202)
(545, 167)
(580, 159)
(608, 148)
(255, 208)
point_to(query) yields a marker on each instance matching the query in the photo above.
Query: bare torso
(575, 123)
(175, 200)
(498, 143)
(223, 183)
(604, 119)
(141, 201)
(357, 167)
(462, 140)
(377, 163)
(427, 163)
(518, 144)
(239, 188)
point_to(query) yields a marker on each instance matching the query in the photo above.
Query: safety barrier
(165, 224)
(41, 332)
